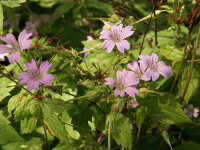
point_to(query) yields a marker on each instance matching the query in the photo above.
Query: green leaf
(165, 109)
(62, 9)
(28, 125)
(122, 131)
(34, 144)
(104, 59)
(7, 133)
(81, 119)
(141, 114)
(1, 19)
(12, 3)
(100, 5)
(23, 106)
(189, 145)
(171, 53)
(70, 130)
(166, 138)
(55, 126)
(194, 82)
(4, 90)
(64, 146)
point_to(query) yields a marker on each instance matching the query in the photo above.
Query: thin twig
(191, 67)
(154, 6)
(19, 66)
(17, 83)
(155, 23)
(43, 125)
(182, 61)
(79, 29)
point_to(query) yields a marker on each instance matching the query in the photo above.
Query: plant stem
(95, 47)
(196, 60)
(19, 66)
(16, 83)
(182, 61)
(191, 67)
(155, 24)
(45, 132)
(154, 6)
(75, 27)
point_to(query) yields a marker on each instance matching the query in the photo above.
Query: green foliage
(23, 106)
(28, 125)
(194, 82)
(166, 137)
(122, 133)
(171, 53)
(54, 125)
(99, 5)
(4, 89)
(78, 109)
(188, 145)
(62, 9)
(164, 109)
(12, 3)
(8, 134)
(34, 144)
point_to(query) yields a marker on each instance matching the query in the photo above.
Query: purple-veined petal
(131, 91)
(24, 41)
(126, 32)
(123, 45)
(31, 67)
(46, 79)
(14, 57)
(155, 76)
(5, 49)
(105, 34)
(9, 39)
(110, 81)
(25, 76)
(109, 45)
(44, 67)
(32, 85)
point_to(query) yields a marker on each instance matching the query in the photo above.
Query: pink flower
(116, 37)
(134, 103)
(89, 38)
(10, 22)
(155, 68)
(13, 47)
(34, 76)
(32, 24)
(191, 111)
(138, 72)
(126, 82)
(100, 138)
(35, 21)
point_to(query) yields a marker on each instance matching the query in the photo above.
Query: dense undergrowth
(99, 74)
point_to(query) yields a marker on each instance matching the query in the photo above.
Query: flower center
(120, 86)
(154, 67)
(116, 37)
(36, 76)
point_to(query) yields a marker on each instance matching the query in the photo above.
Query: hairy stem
(147, 29)
(191, 67)
(155, 24)
(19, 66)
(182, 61)
(5, 75)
